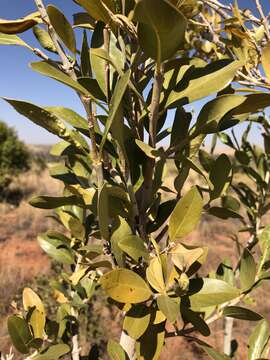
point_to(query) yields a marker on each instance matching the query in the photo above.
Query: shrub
(14, 157)
(126, 230)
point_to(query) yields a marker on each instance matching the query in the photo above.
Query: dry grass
(21, 260)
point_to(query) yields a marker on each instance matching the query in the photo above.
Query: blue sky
(17, 80)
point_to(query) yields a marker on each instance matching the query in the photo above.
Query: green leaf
(241, 313)
(19, 25)
(96, 10)
(122, 230)
(186, 215)
(20, 333)
(195, 319)
(161, 28)
(147, 149)
(220, 176)
(49, 202)
(214, 354)
(136, 321)
(115, 351)
(70, 116)
(44, 39)
(212, 112)
(48, 70)
(216, 75)
(264, 239)
(253, 103)
(134, 247)
(266, 60)
(53, 352)
(169, 307)
(83, 20)
(62, 27)
(223, 213)
(85, 57)
(39, 116)
(247, 270)
(258, 340)
(211, 292)
(116, 100)
(53, 249)
(125, 286)
(9, 39)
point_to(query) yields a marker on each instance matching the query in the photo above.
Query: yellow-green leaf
(125, 286)
(134, 247)
(186, 214)
(183, 257)
(211, 292)
(216, 75)
(115, 351)
(136, 321)
(258, 340)
(10, 39)
(169, 307)
(44, 39)
(154, 275)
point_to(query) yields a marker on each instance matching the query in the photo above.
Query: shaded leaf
(161, 28)
(19, 333)
(241, 313)
(214, 354)
(247, 270)
(62, 27)
(220, 176)
(96, 10)
(49, 202)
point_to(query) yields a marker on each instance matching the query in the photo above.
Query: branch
(263, 18)
(44, 15)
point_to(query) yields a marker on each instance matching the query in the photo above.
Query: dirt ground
(21, 261)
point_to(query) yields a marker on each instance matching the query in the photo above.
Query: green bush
(14, 157)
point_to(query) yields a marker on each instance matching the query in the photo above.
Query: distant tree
(14, 157)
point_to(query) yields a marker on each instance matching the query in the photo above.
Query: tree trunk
(228, 329)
